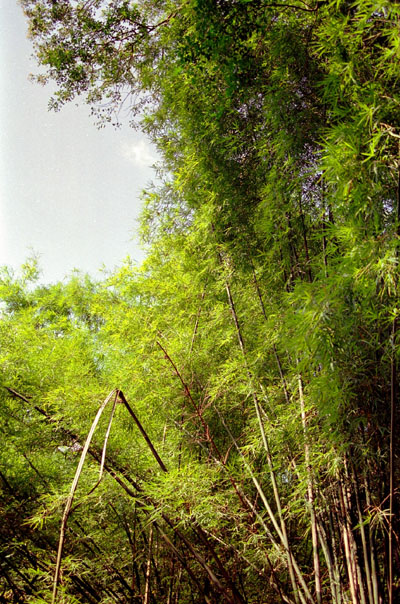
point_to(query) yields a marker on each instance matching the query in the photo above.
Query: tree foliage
(252, 455)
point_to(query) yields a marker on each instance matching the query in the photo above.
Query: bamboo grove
(244, 377)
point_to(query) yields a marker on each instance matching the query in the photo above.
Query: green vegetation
(250, 364)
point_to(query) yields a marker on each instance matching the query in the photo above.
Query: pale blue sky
(69, 191)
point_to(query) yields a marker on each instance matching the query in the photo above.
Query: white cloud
(139, 153)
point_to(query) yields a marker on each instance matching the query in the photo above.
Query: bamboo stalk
(277, 359)
(148, 568)
(363, 540)
(251, 507)
(347, 503)
(179, 557)
(142, 430)
(320, 535)
(277, 499)
(392, 446)
(270, 513)
(374, 565)
(339, 586)
(310, 492)
(178, 587)
(212, 576)
(264, 439)
(111, 467)
(207, 433)
(235, 592)
(356, 588)
(220, 587)
(393, 401)
(70, 498)
(196, 325)
(103, 454)
(333, 580)
(305, 241)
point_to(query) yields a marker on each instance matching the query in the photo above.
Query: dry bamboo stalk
(70, 498)
(197, 556)
(103, 453)
(277, 498)
(112, 470)
(257, 407)
(236, 595)
(142, 430)
(314, 524)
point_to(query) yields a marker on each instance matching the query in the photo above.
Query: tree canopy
(244, 376)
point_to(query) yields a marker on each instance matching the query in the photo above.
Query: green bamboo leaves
(258, 340)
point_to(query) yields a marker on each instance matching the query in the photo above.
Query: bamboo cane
(71, 495)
